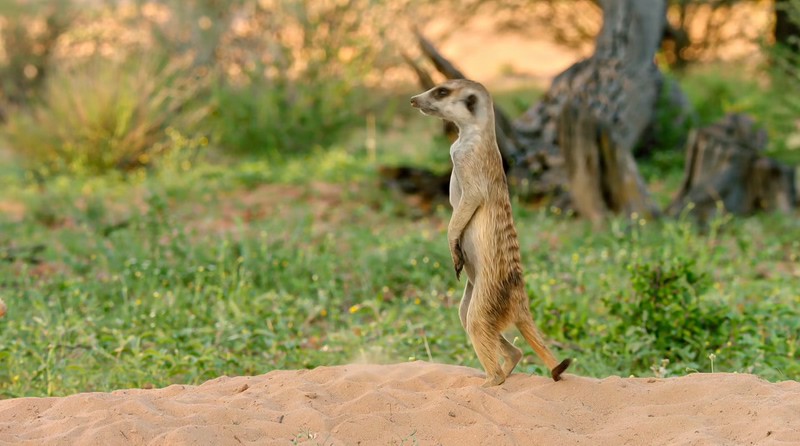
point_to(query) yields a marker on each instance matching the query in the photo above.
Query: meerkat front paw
(458, 257)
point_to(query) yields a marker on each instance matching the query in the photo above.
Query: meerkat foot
(511, 356)
(511, 363)
(560, 368)
(494, 381)
(486, 342)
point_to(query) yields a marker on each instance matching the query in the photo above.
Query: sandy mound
(417, 403)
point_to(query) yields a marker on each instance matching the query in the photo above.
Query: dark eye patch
(471, 102)
(441, 92)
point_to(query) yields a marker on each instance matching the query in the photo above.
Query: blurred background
(93, 86)
(192, 188)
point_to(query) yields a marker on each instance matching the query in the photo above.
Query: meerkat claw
(458, 260)
(494, 381)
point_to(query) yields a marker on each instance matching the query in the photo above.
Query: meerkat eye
(441, 92)
(471, 102)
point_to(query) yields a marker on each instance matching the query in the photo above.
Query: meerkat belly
(471, 247)
(478, 244)
(455, 190)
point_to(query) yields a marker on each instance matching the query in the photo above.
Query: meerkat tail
(560, 368)
(527, 327)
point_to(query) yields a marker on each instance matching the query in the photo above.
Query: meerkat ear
(471, 101)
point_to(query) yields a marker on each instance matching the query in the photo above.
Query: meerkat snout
(424, 106)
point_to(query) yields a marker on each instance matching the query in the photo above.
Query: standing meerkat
(481, 232)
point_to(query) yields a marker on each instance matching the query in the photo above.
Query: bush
(283, 117)
(663, 144)
(716, 93)
(663, 314)
(785, 78)
(297, 82)
(104, 116)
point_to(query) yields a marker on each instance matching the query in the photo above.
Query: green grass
(181, 276)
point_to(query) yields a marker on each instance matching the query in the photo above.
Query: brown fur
(482, 237)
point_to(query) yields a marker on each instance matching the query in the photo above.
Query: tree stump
(725, 166)
(613, 105)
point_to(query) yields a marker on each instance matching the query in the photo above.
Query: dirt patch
(13, 211)
(328, 205)
(417, 403)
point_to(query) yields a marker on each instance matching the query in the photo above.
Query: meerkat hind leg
(486, 342)
(488, 354)
(463, 309)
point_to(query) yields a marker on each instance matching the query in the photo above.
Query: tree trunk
(725, 168)
(608, 110)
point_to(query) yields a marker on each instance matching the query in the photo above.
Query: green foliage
(188, 275)
(673, 120)
(105, 116)
(193, 270)
(283, 117)
(785, 74)
(516, 101)
(287, 78)
(663, 313)
(715, 93)
(306, 87)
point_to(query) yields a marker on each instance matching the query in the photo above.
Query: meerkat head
(461, 101)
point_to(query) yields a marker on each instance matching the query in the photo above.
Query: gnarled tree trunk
(608, 108)
(725, 166)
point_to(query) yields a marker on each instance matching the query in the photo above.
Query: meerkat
(481, 233)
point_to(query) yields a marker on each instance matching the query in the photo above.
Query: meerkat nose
(414, 101)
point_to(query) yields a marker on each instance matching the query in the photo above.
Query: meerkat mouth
(423, 107)
(427, 111)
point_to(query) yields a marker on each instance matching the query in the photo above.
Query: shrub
(277, 117)
(294, 75)
(104, 115)
(663, 144)
(786, 77)
(716, 93)
(663, 314)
